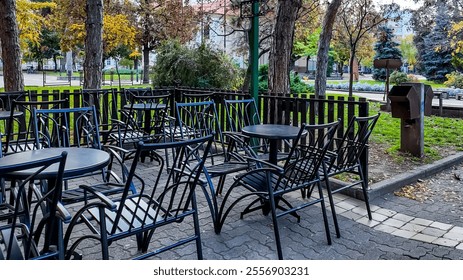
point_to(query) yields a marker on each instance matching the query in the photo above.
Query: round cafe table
(4, 115)
(272, 132)
(79, 161)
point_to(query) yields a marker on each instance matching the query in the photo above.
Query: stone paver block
(456, 230)
(360, 210)
(404, 233)
(413, 227)
(367, 222)
(460, 247)
(385, 212)
(445, 242)
(441, 226)
(339, 210)
(394, 223)
(454, 236)
(434, 231)
(354, 201)
(351, 215)
(424, 237)
(403, 217)
(378, 217)
(422, 222)
(385, 228)
(345, 205)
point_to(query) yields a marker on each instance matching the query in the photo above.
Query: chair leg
(275, 227)
(325, 217)
(199, 248)
(365, 192)
(220, 185)
(104, 237)
(332, 207)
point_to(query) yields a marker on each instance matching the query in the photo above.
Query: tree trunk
(282, 45)
(93, 63)
(324, 46)
(146, 64)
(11, 54)
(351, 70)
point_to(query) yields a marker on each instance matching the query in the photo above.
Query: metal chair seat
(136, 215)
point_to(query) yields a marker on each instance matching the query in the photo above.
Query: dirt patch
(383, 165)
(446, 186)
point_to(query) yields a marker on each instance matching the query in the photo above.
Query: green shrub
(454, 79)
(296, 84)
(398, 77)
(195, 67)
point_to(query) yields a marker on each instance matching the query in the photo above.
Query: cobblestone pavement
(401, 229)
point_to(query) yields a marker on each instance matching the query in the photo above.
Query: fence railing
(284, 109)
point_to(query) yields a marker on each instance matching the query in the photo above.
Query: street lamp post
(250, 9)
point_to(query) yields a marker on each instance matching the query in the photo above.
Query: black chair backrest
(241, 113)
(349, 149)
(20, 239)
(168, 197)
(305, 158)
(199, 119)
(75, 127)
(157, 106)
(6, 98)
(105, 102)
(20, 134)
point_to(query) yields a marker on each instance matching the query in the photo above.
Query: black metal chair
(270, 182)
(76, 127)
(244, 112)
(168, 199)
(197, 120)
(6, 99)
(20, 134)
(146, 118)
(105, 102)
(30, 232)
(345, 158)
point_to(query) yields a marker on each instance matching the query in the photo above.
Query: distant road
(451, 102)
(37, 80)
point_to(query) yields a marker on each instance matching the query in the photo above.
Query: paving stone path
(398, 231)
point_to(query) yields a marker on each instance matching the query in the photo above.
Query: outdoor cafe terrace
(176, 173)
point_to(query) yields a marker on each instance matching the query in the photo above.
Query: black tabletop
(79, 161)
(271, 131)
(145, 106)
(6, 114)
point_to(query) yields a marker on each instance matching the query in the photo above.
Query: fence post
(364, 112)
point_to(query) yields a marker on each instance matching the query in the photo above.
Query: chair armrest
(106, 200)
(63, 213)
(266, 163)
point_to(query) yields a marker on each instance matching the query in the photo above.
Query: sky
(405, 4)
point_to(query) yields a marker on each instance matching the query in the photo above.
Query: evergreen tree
(385, 48)
(436, 58)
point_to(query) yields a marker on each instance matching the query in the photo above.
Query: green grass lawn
(440, 134)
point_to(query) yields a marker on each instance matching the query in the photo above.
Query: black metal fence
(292, 109)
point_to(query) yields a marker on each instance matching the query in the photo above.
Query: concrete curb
(403, 179)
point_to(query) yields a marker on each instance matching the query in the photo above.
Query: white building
(216, 29)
